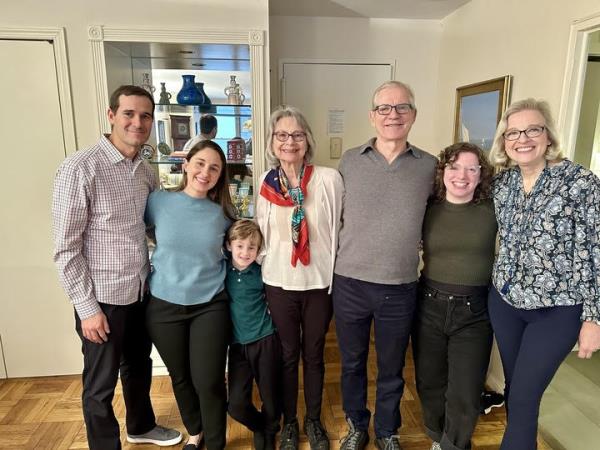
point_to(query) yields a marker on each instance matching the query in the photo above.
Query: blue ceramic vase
(189, 93)
(206, 104)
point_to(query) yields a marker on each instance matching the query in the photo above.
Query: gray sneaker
(388, 443)
(355, 439)
(160, 436)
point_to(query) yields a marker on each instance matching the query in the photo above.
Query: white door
(335, 98)
(36, 319)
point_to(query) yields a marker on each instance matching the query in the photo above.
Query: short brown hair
(449, 155)
(244, 229)
(127, 90)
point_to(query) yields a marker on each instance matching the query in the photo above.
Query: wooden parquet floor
(45, 412)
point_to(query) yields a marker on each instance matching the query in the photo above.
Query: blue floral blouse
(549, 239)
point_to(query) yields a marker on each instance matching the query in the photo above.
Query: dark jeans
(532, 344)
(192, 341)
(302, 320)
(258, 361)
(391, 307)
(127, 351)
(452, 340)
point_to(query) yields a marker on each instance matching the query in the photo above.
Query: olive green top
(459, 242)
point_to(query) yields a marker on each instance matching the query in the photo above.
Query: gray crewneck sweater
(382, 215)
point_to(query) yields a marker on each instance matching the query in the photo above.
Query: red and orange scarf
(275, 188)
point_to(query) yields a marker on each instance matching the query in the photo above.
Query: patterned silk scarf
(276, 189)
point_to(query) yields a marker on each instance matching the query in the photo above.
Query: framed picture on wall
(180, 127)
(479, 107)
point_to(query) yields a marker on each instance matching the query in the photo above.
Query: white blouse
(322, 208)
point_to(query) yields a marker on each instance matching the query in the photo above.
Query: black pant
(452, 339)
(302, 320)
(192, 341)
(260, 361)
(532, 344)
(357, 305)
(128, 351)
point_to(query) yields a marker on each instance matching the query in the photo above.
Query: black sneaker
(317, 436)
(355, 439)
(489, 400)
(388, 443)
(289, 436)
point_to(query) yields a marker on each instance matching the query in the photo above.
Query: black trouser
(452, 340)
(128, 351)
(192, 341)
(260, 361)
(390, 308)
(532, 344)
(302, 320)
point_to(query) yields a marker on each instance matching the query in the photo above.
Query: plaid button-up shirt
(98, 223)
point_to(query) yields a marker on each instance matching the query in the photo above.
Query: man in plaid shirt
(100, 249)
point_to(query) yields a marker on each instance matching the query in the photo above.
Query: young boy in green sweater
(255, 353)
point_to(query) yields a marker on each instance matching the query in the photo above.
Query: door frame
(574, 78)
(57, 36)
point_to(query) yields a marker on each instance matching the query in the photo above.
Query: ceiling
(390, 9)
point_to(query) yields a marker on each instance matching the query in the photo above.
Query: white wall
(413, 44)
(490, 38)
(76, 15)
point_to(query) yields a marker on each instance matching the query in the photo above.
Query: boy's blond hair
(244, 229)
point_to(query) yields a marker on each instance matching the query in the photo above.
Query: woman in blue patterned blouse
(546, 280)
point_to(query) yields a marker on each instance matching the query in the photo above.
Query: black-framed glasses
(531, 132)
(401, 108)
(297, 136)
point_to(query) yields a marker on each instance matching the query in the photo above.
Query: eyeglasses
(531, 132)
(401, 108)
(297, 136)
(471, 170)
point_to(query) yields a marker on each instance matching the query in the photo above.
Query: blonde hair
(244, 229)
(498, 156)
(295, 113)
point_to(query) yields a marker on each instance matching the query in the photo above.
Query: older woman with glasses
(298, 211)
(546, 281)
(452, 335)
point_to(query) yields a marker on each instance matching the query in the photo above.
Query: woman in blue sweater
(188, 314)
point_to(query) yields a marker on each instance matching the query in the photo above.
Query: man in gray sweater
(387, 184)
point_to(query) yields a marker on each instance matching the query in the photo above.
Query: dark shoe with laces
(489, 400)
(317, 436)
(388, 443)
(355, 439)
(289, 436)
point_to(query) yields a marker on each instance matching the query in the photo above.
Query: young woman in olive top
(452, 335)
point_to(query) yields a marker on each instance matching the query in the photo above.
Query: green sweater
(459, 242)
(249, 313)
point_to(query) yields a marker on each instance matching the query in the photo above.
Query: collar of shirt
(251, 269)
(114, 155)
(370, 146)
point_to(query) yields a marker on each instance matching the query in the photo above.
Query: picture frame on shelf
(479, 107)
(180, 127)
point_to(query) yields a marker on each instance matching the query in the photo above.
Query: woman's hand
(589, 339)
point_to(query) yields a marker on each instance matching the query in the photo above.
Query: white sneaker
(436, 446)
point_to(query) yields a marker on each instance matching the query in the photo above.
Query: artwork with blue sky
(479, 117)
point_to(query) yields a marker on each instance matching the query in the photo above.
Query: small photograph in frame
(180, 127)
(479, 107)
